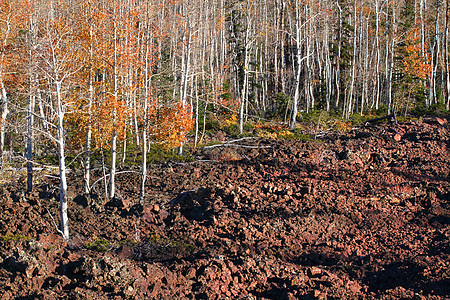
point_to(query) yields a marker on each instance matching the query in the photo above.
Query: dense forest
(95, 76)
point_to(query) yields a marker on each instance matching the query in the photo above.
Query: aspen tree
(115, 93)
(434, 56)
(31, 70)
(299, 59)
(446, 54)
(59, 56)
(147, 83)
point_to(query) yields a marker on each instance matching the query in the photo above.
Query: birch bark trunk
(87, 159)
(62, 163)
(294, 110)
(29, 138)
(4, 115)
(147, 82)
(112, 172)
(244, 90)
(446, 63)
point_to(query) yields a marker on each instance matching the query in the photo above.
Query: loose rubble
(359, 215)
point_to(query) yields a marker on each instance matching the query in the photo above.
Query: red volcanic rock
(357, 215)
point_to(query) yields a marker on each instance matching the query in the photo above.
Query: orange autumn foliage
(415, 61)
(12, 23)
(101, 121)
(168, 125)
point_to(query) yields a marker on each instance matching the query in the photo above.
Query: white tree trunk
(147, 71)
(294, 110)
(376, 101)
(87, 160)
(62, 164)
(244, 90)
(185, 69)
(4, 115)
(446, 63)
(112, 172)
(29, 139)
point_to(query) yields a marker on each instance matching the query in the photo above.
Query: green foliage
(357, 119)
(98, 245)
(232, 129)
(14, 237)
(157, 240)
(333, 120)
(211, 122)
(405, 119)
(435, 109)
(48, 157)
(226, 95)
(382, 110)
(248, 127)
(318, 116)
(297, 135)
(227, 123)
(182, 247)
(281, 101)
(158, 155)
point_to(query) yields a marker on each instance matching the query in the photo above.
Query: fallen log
(180, 197)
(390, 117)
(231, 144)
(434, 120)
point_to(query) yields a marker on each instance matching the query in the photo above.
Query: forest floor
(363, 214)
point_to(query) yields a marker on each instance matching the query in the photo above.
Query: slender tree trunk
(309, 74)
(186, 64)
(87, 159)
(446, 62)
(112, 176)
(147, 83)
(349, 109)
(29, 138)
(294, 110)
(434, 56)
(244, 90)
(365, 76)
(328, 67)
(338, 58)
(377, 55)
(283, 66)
(389, 61)
(196, 113)
(62, 164)
(4, 115)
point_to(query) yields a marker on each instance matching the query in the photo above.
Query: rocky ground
(359, 215)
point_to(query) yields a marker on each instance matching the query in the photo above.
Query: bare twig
(230, 144)
(194, 162)
(54, 222)
(237, 145)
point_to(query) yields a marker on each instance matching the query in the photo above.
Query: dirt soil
(359, 215)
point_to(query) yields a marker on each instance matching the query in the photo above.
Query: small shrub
(98, 245)
(357, 119)
(434, 109)
(14, 237)
(299, 136)
(248, 127)
(267, 134)
(231, 130)
(212, 122)
(382, 110)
